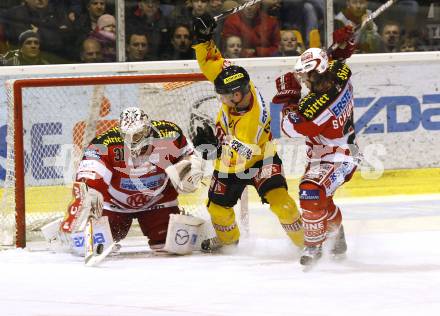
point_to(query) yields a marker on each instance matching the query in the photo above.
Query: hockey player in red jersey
(134, 171)
(325, 117)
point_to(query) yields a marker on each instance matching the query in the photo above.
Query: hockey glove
(203, 28)
(343, 35)
(345, 38)
(206, 142)
(289, 89)
(344, 53)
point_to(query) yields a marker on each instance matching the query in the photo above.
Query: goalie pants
(267, 178)
(153, 223)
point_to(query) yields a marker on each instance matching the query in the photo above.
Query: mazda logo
(182, 237)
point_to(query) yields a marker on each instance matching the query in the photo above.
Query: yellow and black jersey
(246, 135)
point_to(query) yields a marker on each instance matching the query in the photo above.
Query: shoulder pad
(109, 137)
(341, 71)
(165, 129)
(313, 104)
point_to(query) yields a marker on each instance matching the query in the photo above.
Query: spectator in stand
(305, 17)
(137, 47)
(430, 27)
(29, 52)
(86, 23)
(148, 19)
(4, 44)
(105, 34)
(72, 8)
(259, 31)
(289, 44)
(391, 37)
(406, 12)
(409, 44)
(181, 40)
(49, 22)
(369, 40)
(184, 13)
(232, 47)
(91, 51)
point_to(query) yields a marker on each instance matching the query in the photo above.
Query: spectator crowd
(73, 31)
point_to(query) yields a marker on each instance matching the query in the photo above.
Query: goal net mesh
(60, 117)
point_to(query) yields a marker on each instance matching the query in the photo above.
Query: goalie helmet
(135, 127)
(312, 59)
(232, 79)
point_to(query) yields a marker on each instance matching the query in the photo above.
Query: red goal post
(50, 120)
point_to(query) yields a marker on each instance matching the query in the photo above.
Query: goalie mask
(135, 127)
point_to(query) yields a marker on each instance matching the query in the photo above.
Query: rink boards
(54, 199)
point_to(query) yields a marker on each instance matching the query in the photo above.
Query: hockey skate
(310, 255)
(340, 245)
(211, 245)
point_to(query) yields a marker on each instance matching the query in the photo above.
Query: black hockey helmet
(232, 79)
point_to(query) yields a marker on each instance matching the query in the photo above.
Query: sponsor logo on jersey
(311, 108)
(140, 184)
(112, 140)
(241, 149)
(138, 200)
(341, 105)
(233, 78)
(309, 195)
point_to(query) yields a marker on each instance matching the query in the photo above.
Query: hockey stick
(229, 12)
(369, 18)
(94, 255)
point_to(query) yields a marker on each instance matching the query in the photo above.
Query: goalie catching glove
(186, 174)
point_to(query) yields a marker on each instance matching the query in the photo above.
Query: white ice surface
(392, 268)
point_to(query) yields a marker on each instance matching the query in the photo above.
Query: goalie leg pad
(101, 235)
(154, 225)
(182, 234)
(58, 240)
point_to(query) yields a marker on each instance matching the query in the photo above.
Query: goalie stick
(94, 255)
(369, 18)
(229, 12)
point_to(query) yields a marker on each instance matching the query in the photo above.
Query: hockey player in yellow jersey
(241, 146)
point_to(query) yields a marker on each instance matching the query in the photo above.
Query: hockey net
(51, 120)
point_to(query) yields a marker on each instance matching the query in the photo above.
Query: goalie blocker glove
(203, 28)
(206, 143)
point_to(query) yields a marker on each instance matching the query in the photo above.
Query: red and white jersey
(327, 119)
(134, 184)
